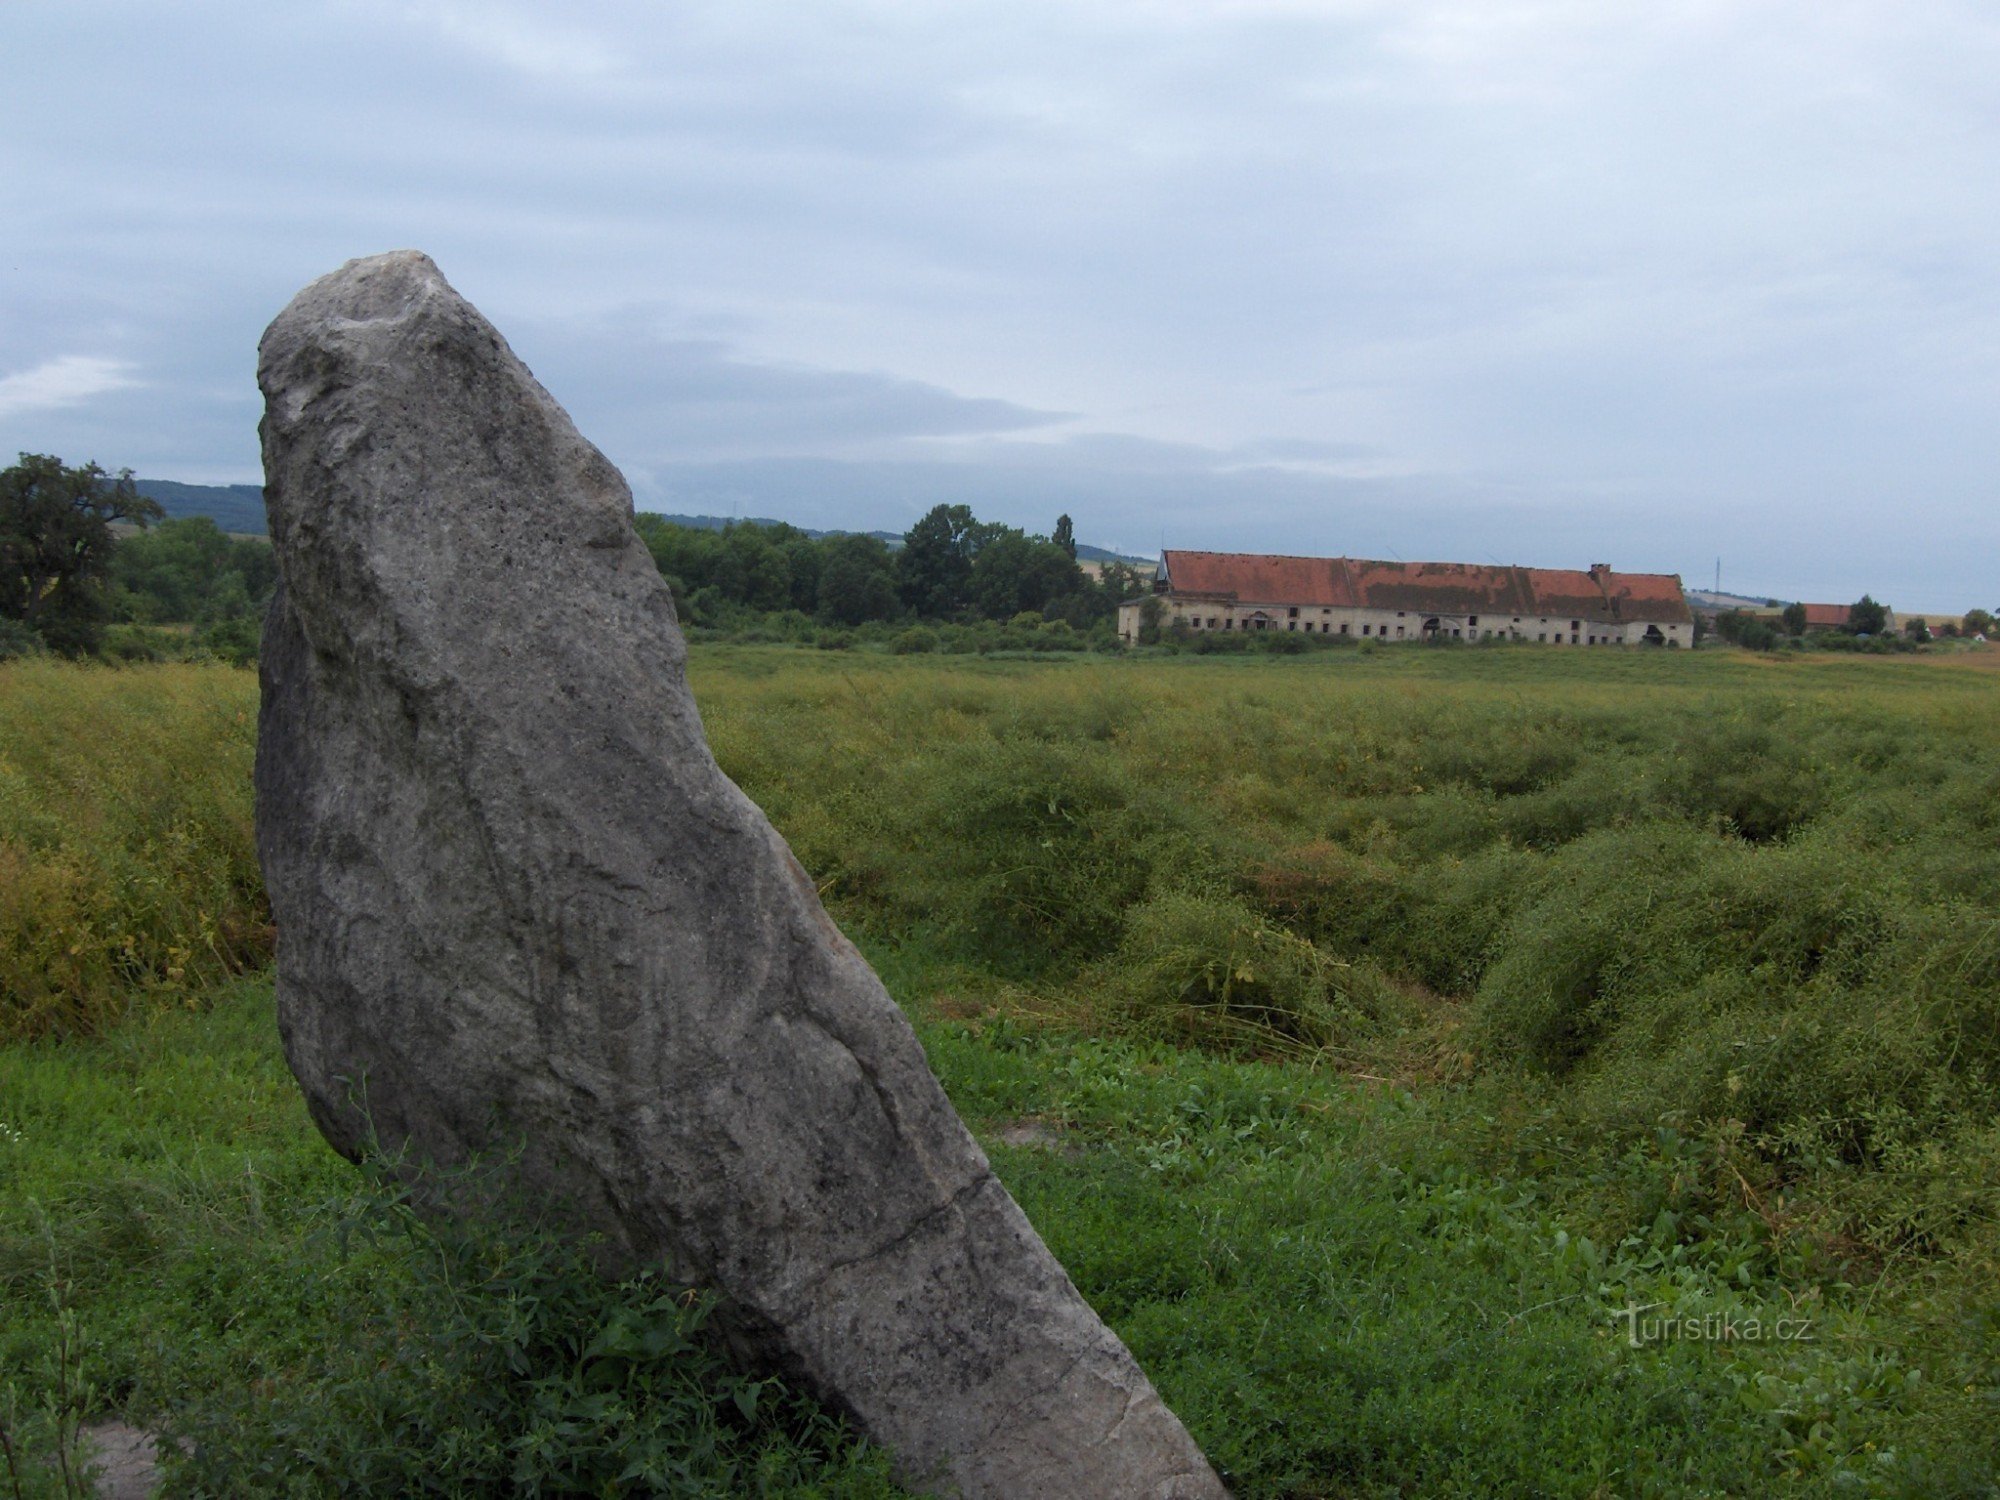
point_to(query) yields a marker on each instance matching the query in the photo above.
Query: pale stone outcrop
(521, 909)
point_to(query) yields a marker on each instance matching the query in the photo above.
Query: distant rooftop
(1433, 588)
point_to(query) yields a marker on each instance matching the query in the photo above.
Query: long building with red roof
(1394, 601)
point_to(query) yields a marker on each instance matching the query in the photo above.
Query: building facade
(1393, 601)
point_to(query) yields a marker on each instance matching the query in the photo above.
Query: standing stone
(521, 909)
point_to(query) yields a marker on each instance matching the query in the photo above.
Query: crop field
(1451, 1071)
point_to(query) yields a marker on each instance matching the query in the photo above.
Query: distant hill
(717, 523)
(1709, 599)
(233, 507)
(1087, 553)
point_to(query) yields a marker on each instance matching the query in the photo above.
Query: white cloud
(524, 42)
(69, 380)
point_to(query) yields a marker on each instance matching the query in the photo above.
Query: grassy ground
(127, 868)
(1366, 1033)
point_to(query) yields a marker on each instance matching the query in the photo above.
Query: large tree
(56, 540)
(935, 565)
(1866, 617)
(1013, 573)
(857, 580)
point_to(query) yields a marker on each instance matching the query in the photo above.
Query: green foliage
(189, 571)
(1151, 611)
(1665, 979)
(1866, 617)
(481, 1356)
(935, 565)
(18, 639)
(952, 568)
(1217, 971)
(857, 580)
(1013, 574)
(1342, 1287)
(295, 1327)
(1640, 875)
(1745, 629)
(1794, 617)
(56, 543)
(127, 866)
(1031, 848)
(745, 566)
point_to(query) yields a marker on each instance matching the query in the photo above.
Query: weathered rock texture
(519, 905)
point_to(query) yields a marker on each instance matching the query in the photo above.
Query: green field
(1364, 1031)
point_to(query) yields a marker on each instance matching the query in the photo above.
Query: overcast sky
(1551, 283)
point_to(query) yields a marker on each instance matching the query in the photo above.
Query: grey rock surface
(519, 906)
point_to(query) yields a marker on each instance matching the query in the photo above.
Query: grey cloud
(1640, 284)
(663, 399)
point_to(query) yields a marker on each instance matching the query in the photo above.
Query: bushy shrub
(1031, 849)
(18, 639)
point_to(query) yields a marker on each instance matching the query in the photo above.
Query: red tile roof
(1432, 588)
(1259, 579)
(1826, 616)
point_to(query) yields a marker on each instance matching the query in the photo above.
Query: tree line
(88, 566)
(1867, 624)
(952, 568)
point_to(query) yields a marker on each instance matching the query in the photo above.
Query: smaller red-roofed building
(1835, 617)
(1395, 601)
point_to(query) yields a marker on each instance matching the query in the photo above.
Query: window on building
(1543, 636)
(1211, 622)
(1365, 629)
(1228, 624)
(1293, 613)
(1472, 619)
(1399, 630)
(1292, 624)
